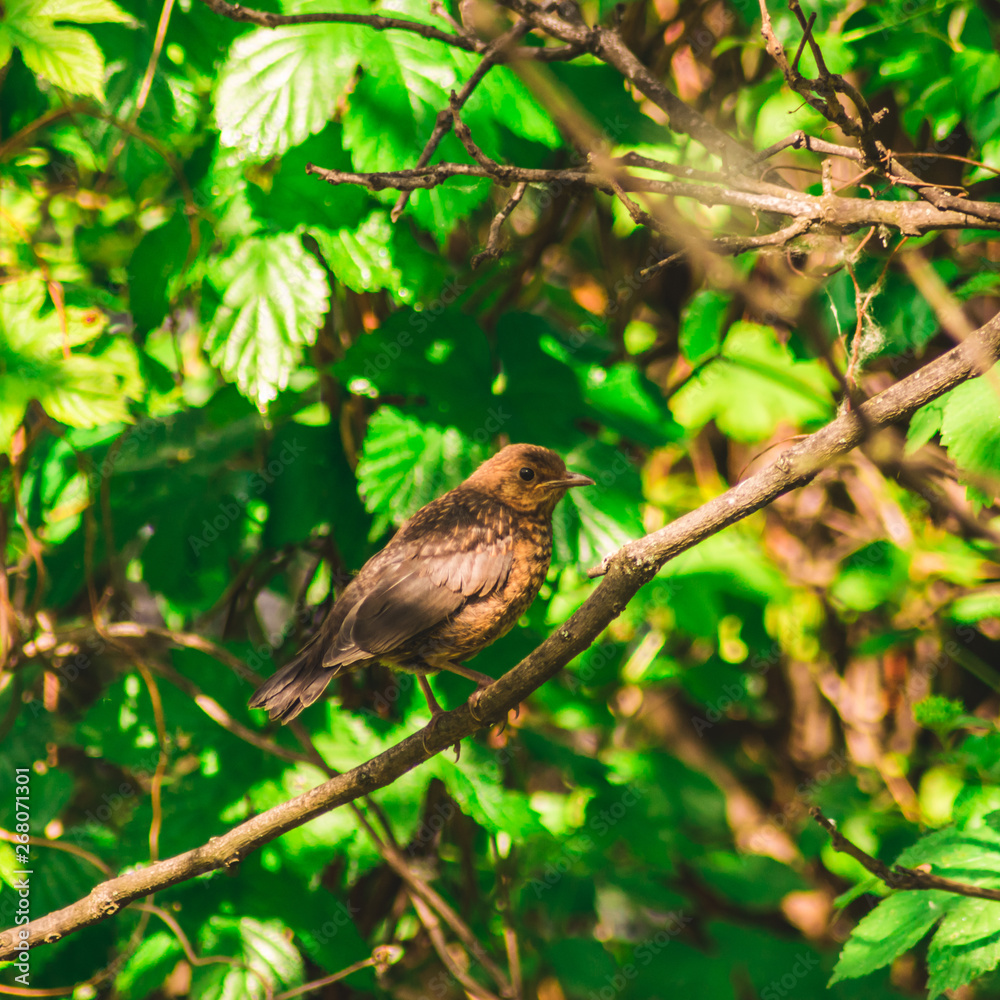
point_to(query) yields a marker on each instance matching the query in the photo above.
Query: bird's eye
(527, 474)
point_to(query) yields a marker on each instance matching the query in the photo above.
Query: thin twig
(463, 40)
(494, 53)
(492, 249)
(898, 877)
(384, 955)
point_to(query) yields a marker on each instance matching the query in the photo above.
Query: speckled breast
(483, 620)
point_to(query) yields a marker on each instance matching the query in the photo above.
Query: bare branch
(626, 571)
(898, 877)
(821, 95)
(493, 250)
(608, 45)
(465, 40)
(495, 52)
(831, 213)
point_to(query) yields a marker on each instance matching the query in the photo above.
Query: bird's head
(526, 477)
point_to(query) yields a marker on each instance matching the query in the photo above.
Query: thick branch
(627, 571)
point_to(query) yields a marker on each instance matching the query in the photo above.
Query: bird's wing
(432, 567)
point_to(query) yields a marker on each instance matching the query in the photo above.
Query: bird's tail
(296, 685)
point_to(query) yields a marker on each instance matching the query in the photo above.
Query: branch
(494, 53)
(607, 44)
(821, 95)
(833, 213)
(266, 19)
(626, 571)
(492, 249)
(898, 877)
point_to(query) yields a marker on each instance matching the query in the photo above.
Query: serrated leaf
(360, 257)
(278, 87)
(967, 855)
(478, 789)
(753, 386)
(966, 945)
(894, 927)
(268, 961)
(406, 81)
(274, 296)
(79, 390)
(970, 430)
(595, 521)
(67, 57)
(405, 464)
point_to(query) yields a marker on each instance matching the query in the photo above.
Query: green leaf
(974, 607)
(413, 350)
(84, 11)
(924, 424)
(701, 325)
(503, 95)
(967, 855)
(66, 57)
(595, 521)
(274, 296)
(360, 256)
(279, 86)
(631, 404)
(267, 960)
(970, 431)
(753, 386)
(966, 945)
(160, 254)
(145, 970)
(79, 390)
(941, 714)
(872, 576)
(405, 464)
(894, 927)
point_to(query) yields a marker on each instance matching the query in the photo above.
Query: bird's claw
(474, 701)
(457, 747)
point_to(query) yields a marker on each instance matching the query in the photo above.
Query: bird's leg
(483, 681)
(436, 711)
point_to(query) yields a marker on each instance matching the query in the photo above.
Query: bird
(455, 577)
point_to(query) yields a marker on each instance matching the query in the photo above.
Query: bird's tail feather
(295, 686)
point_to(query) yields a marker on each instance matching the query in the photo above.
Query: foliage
(225, 382)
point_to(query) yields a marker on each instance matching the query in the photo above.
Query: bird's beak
(573, 479)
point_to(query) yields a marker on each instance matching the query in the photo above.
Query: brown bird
(455, 577)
